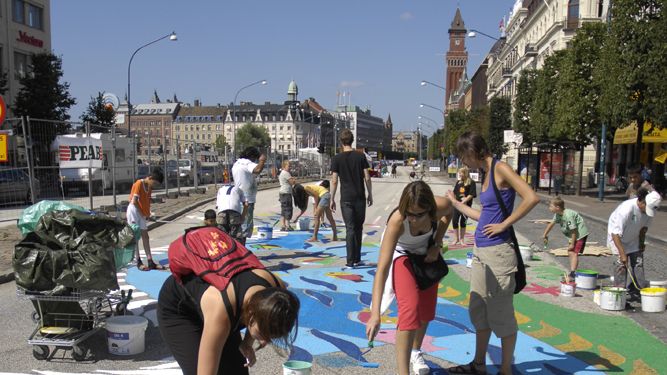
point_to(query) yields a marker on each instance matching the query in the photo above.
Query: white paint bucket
(265, 233)
(596, 296)
(526, 253)
(304, 223)
(654, 299)
(568, 289)
(612, 298)
(469, 259)
(126, 334)
(586, 279)
(658, 283)
(297, 368)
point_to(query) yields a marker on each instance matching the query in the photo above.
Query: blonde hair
(285, 164)
(558, 202)
(465, 175)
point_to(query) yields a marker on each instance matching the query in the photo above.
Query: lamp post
(424, 83)
(262, 82)
(172, 36)
(473, 33)
(422, 117)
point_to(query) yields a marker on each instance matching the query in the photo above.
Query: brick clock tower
(457, 57)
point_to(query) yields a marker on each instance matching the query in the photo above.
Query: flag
(501, 25)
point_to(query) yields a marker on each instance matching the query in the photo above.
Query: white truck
(76, 153)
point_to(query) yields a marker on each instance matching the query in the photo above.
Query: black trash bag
(70, 249)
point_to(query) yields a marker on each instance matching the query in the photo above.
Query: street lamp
(422, 105)
(260, 82)
(424, 83)
(429, 119)
(473, 33)
(172, 36)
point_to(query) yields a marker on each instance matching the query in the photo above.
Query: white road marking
(376, 220)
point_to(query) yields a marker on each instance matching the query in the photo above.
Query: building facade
(26, 30)
(368, 130)
(456, 59)
(407, 141)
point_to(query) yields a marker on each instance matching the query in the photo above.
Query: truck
(76, 154)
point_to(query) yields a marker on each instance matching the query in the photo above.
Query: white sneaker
(419, 367)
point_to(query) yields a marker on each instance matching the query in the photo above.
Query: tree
(523, 103)
(252, 135)
(99, 114)
(542, 112)
(221, 145)
(456, 124)
(500, 119)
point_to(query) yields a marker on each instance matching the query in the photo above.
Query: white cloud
(352, 84)
(406, 16)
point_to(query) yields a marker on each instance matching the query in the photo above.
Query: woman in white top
(409, 229)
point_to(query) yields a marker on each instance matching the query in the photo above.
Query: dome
(292, 88)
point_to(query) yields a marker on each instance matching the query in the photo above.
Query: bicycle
(420, 176)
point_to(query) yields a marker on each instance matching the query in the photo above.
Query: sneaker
(359, 264)
(419, 366)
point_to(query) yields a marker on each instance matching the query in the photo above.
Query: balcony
(507, 72)
(530, 50)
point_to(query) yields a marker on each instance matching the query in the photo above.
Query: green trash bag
(71, 250)
(30, 216)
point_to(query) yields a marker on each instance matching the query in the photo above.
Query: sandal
(141, 266)
(155, 266)
(470, 368)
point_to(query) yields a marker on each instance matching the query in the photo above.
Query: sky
(377, 50)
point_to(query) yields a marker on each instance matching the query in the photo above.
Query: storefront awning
(628, 135)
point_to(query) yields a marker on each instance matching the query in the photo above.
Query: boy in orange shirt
(138, 212)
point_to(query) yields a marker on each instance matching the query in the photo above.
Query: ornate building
(457, 61)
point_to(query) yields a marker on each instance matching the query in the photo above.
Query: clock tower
(456, 58)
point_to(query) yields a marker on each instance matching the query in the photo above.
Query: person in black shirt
(464, 191)
(352, 168)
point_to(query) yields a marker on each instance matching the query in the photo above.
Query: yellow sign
(661, 157)
(628, 135)
(3, 148)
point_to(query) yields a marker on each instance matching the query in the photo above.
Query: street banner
(3, 148)
(75, 151)
(3, 110)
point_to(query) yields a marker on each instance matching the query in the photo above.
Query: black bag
(427, 274)
(520, 274)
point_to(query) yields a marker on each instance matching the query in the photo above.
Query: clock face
(457, 42)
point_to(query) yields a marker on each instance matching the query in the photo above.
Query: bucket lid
(614, 289)
(297, 365)
(586, 272)
(127, 320)
(653, 291)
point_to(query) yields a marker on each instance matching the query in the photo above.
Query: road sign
(3, 148)
(3, 110)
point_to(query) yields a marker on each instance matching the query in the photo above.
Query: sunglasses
(416, 215)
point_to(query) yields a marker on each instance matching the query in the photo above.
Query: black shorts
(286, 207)
(230, 222)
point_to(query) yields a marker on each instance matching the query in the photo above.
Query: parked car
(15, 186)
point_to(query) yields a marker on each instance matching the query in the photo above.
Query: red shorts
(580, 245)
(414, 305)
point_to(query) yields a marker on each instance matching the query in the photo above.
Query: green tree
(221, 145)
(543, 111)
(456, 124)
(99, 114)
(500, 119)
(523, 102)
(252, 135)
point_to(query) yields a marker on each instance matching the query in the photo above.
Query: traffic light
(320, 148)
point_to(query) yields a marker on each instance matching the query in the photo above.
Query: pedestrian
(352, 169)
(626, 233)
(414, 227)
(202, 325)
(322, 198)
(245, 172)
(139, 211)
(285, 196)
(464, 191)
(232, 209)
(225, 176)
(492, 279)
(210, 218)
(393, 169)
(636, 180)
(572, 225)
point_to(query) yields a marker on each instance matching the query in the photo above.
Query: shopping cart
(66, 321)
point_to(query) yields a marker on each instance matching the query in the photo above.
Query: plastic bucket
(265, 233)
(304, 223)
(658, 283)
(596, 296)
(654, 299)
(612, 298)
(526, 253)
(586, 279)
(297, 368)
(469, 259)
(568, 289)
(126, 334)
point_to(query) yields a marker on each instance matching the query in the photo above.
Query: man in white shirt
(626, 232)
(285, 196)
(245, 171)
(231, 211)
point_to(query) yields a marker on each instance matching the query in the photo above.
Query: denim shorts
(325, 200)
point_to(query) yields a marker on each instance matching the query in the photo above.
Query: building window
(35, 17)
(19, 11)
(21, 64)
(573, 14)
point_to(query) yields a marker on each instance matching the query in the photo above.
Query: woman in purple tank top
(492, 281)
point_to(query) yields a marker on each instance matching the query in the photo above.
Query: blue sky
(378, 50)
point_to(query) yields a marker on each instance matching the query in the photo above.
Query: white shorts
(134, 216)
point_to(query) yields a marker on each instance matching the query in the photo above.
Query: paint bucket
(304, 223)
(612, 298)
(654, 299)
(265, 233)
(297, 368)
(658, 283)
(126, 334)
(469, 259)
(568, 289)
(586, 279)
(596, 296)
(526, 253)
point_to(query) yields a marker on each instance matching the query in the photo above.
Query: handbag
(428, 274)
(520, 274)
